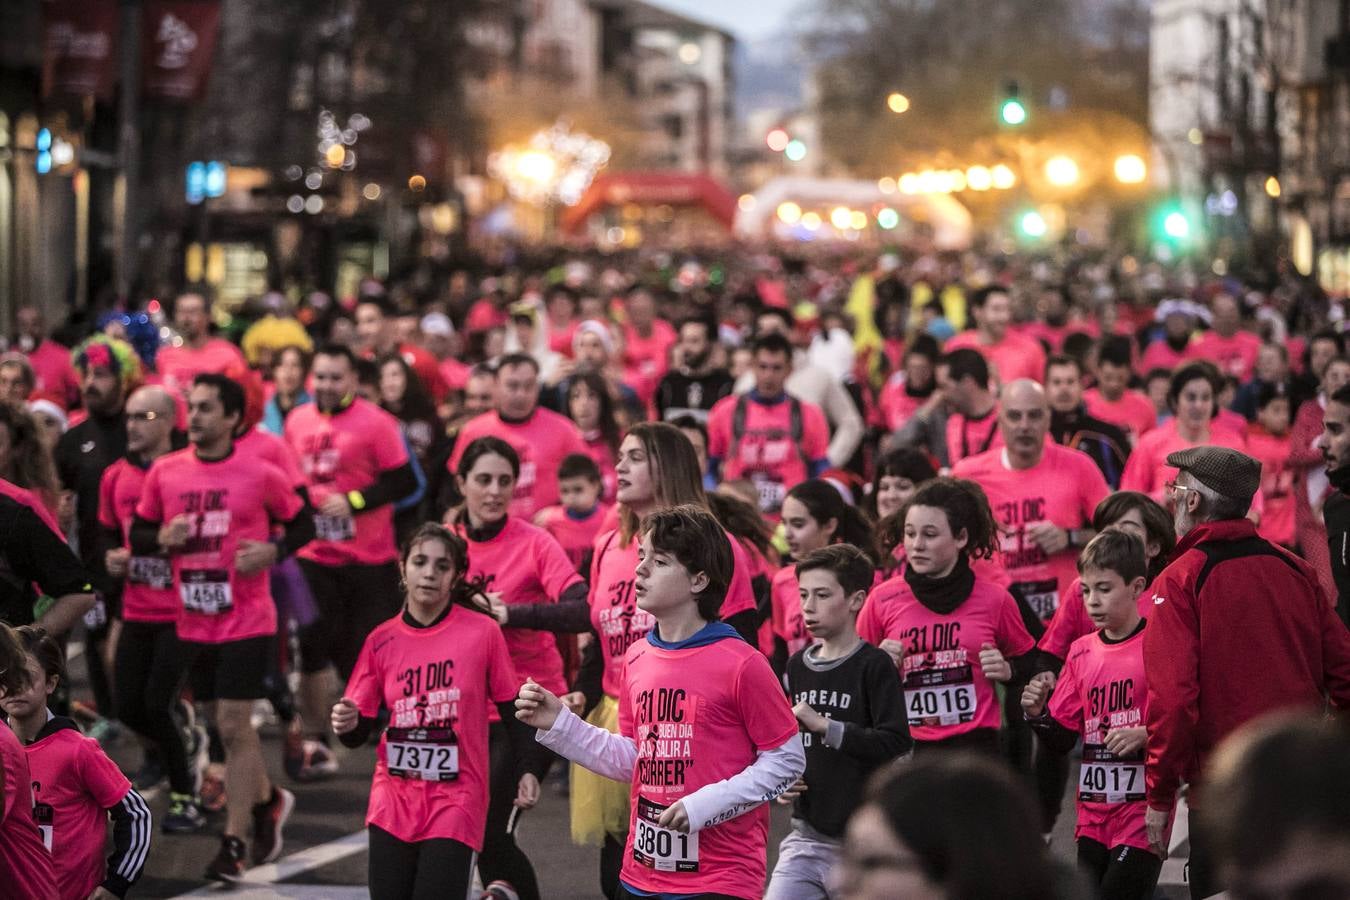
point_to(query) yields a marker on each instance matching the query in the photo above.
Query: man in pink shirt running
(1011, 356)
(198, 353)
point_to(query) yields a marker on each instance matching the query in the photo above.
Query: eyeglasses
(1173, 488)
(148, 416)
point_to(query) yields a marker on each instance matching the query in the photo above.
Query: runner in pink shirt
(1232, 350)
(646, 344)
(591, 407)
(1011, 356)
(1042, 495)
(972, 423)
(706, 737)
(909, 388)
(213, 510)
(658, 469)
(53, 371)
(198, 353)
(1268, 440)
(356, 467)
(540, 437)
(148, 661)
(1102, 696)
(1112, 400)
(1191, 396)
(437, 667)
(768, 436)
(76, 787)
(951, 634)
(576, 522)
(25, 863)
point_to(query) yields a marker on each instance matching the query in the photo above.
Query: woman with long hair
(290, 368)
(404, 397)
(953, 635)
(436, 668)
(591, 407)
(518, 564)
(24, 460)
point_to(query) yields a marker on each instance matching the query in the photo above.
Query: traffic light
(43, 145)
(1033, 224)
(1011, 110)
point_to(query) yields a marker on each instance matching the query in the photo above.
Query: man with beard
(109, 371)
(1239, 627)
(695, 385)
(1012, 356)
(1072, 426)
(1336, 511)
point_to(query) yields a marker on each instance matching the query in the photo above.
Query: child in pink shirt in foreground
(706, 736)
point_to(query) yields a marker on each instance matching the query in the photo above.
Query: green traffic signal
(1013, 112)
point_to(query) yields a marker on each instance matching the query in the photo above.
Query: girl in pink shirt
(516, 563)
(438, 667)
(1102, 696)
(76, 788)
(25, 862)
(952, 635)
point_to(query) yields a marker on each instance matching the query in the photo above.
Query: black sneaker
(268, 820)
(229, 865)
(184, 816)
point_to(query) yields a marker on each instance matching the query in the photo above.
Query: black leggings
(611, 863)
(983, 741)
(433, 869)
(502, 859)
(625, 894)
(150, 669)
(1120, 873)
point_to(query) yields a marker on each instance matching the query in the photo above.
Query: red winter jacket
(1239, 627)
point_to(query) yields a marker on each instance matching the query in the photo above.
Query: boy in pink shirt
(706, 736)
(575, 523)
(1112, 400)
(1011, 355)
(1101, 695)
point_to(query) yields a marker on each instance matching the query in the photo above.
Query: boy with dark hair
(1102, 695)
(851, 709)
(706, 737)
(576, 521)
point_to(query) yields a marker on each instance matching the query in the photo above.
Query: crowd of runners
(901, 541)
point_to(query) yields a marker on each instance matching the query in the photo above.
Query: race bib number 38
(663, 849)
(1105, 779)
(427, 754)
(207, 591)
(940, 696)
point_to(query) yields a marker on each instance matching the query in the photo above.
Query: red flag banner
(79, 53)
(178, 41)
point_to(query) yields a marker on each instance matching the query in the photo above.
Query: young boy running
(1102, 695)
(852, 712)
(706, 737)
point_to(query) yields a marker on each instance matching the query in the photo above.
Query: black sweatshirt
(1336, 512)
(866, 705)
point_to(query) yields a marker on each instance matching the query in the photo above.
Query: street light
(1003, 177)
(979, 178)
(789, 213)
(795, 150)
(1033, 224)
(1176, 226)
(777, 140)
(1061, 171)
(897, 102)
(1272, 187)
(1130, 169)
(840, 217)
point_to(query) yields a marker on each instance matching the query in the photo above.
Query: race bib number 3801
(662, 849)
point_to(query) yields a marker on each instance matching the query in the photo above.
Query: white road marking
(292, 865)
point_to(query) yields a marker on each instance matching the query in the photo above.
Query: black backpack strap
(1222, 551)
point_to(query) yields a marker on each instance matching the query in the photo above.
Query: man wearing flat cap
(1239, 627)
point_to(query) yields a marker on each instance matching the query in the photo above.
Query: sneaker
(268, 820)
(150, 775)
(308, 760)
(212, 793)
(228, 866)
(184, 816)
(499, 890)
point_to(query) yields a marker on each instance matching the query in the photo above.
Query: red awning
(652, 189)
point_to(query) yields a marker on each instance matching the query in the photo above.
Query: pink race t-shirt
(946, 693)
(786, 610)
(614, 612)
(274, 451)
(541, 441)
(527, 566)
(968, 437)
(1147, 470)
(599, 450)
(765, 451)
(74, 786)
(431, 768)
(1277, 484)
(1063, 489)
(646, 359)
(342, 452)
(178, 366)
(1133, 411)
(148, 594)
(1071, 621)
(698, 715)
(1160, 355)
(1103, 687)
(1234, 355)
(1014, 357)
(575, 535)
(897, 405)
(53, 373)
(227, 501)
(26, 867)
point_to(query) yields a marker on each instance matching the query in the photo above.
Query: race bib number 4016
(940, 696)
(662, 849)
